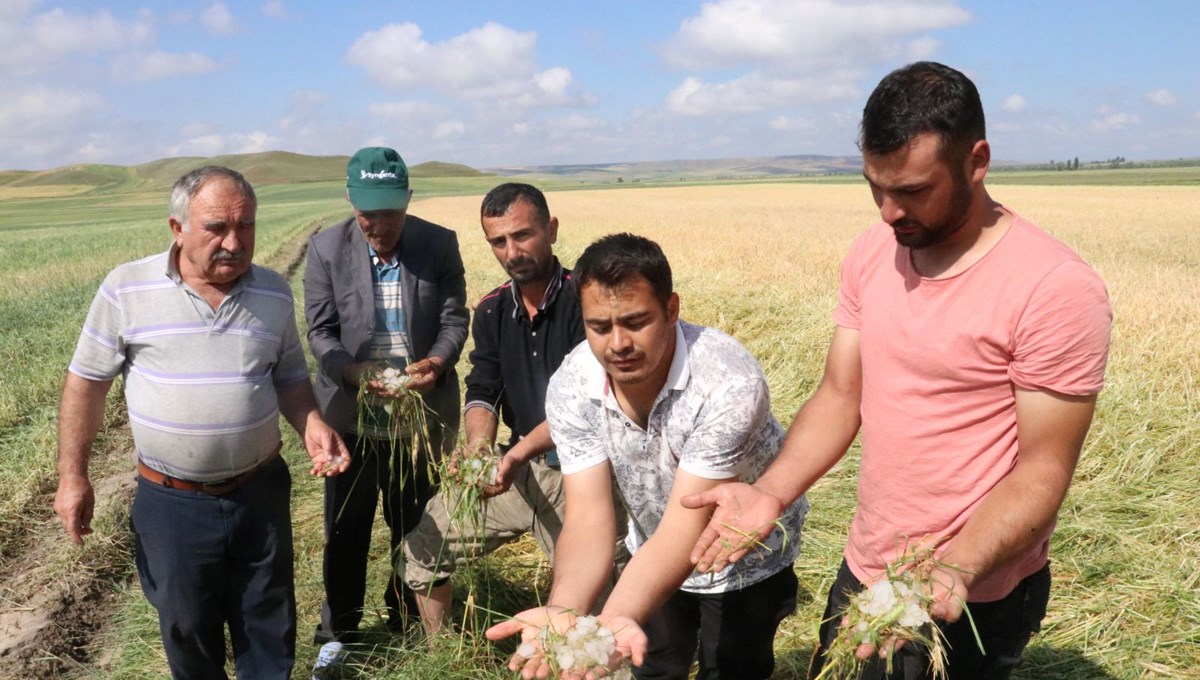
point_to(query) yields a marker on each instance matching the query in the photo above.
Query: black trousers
(1004, 626)
(405, 484)
(205, 562)
(735, 631)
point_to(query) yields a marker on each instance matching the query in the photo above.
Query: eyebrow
(912, 186)
(633, 316)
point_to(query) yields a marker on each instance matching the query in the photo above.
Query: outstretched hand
(630, 639)
(744, 516)
(530, 658)
(423, 374)
(326, 449)
(949, 592)
(506, 470)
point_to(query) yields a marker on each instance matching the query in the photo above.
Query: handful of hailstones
(392, 378)
(332, 463)
(477, 468)
(895, 607)
(583, 647)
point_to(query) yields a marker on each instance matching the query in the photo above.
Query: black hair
(500, 199)
(923, 97)
(615, 259)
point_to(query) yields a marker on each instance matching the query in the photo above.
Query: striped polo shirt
(200, 383)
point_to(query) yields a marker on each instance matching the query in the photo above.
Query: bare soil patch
(56, 596)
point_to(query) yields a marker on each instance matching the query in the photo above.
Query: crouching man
(667, 409)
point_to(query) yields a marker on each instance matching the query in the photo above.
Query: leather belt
(218, 488)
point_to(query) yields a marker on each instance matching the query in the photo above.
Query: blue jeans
(1004, 626)
(206, 561)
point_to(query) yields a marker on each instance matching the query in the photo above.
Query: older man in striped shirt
(209, 351)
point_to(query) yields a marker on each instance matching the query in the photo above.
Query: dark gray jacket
(339, 303)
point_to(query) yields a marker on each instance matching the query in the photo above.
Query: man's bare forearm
(480, 424)
(534, 444)
(583, 553)
(80, 416)
(297, 404)
(819, 436)
(583, 558)
(1020, 511)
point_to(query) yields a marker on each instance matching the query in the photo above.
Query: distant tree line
(1116, 162)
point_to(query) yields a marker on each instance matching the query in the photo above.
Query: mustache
(222, 255)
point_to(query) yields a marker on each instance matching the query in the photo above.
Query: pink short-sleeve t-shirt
(940, 361)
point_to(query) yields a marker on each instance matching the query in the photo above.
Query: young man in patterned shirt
(666, 409)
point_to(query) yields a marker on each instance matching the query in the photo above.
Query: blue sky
(500, 83)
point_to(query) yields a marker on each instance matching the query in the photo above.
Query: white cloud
(159, 65)
(756, 92)
(218, 20)
(195, 129)
(450, 129)
(795, 33)
(36, 42)
(405, 111)
(789, 124)
(1014, 103)
(1162, 97)
(797, 51)
(275, 9)
(41, 126)
(491, 63)
(1109, 122)
(578, 122)
(308, 98)
(218, 144)
(42, 108)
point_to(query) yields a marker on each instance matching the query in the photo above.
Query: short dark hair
(500, 199)
(923, 97)
(615, 259)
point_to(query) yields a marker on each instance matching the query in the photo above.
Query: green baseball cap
(377, 179)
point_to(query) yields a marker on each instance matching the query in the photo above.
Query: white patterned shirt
(712, 419)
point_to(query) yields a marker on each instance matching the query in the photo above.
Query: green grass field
(758, 260)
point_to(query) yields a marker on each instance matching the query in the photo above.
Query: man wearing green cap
(382, 288)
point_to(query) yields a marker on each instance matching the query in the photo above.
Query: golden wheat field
(759, 261)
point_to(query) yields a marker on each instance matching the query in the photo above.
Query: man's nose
(620, 340)
(511, 251)
(231, 242)
(890, 210)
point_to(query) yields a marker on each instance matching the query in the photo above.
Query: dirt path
(56, 597)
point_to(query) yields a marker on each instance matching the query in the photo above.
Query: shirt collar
(173, 269)
(551, 293)
(376, 261)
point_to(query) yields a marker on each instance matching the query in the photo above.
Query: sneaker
(329, 659)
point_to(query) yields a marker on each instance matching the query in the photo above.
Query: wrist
(776, 494)
(438, 364)
(964, 570)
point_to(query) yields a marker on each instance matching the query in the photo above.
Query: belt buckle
(219, 488)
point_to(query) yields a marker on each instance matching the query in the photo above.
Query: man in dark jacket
(381, 289)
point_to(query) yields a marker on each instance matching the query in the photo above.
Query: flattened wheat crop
(761, 262)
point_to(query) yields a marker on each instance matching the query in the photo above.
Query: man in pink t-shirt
(970, 347)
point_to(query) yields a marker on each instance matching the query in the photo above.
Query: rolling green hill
(262, 169)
